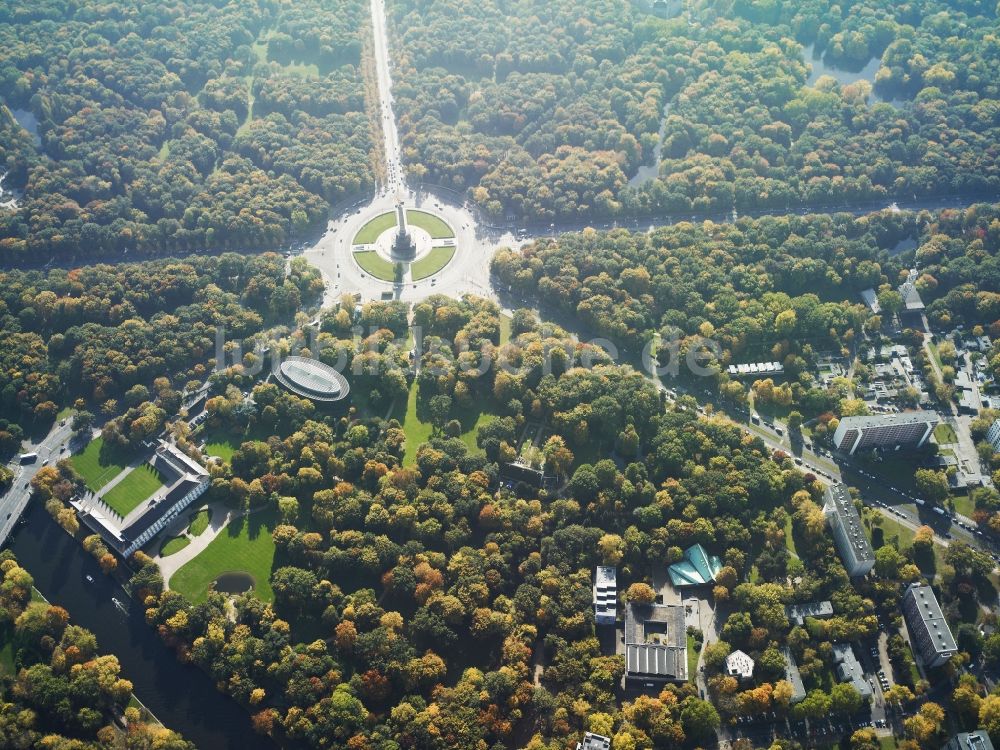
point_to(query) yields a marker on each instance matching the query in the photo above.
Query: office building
(853, 546)
(930, 635)
(993, 436)
(605, 595)
(905, 429)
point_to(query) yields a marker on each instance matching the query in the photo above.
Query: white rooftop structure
(593, 741)
(739, 665)
(605, 595)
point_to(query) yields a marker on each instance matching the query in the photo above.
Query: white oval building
(312, 379)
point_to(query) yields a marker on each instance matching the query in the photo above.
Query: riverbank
(182, 696)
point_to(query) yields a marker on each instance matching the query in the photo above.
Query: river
(181, 696)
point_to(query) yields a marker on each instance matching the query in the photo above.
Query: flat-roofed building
(739, 665)
(793, 676)
(655, 643)
(903, 429)
(798, 613)
(593, 741)
(929, 632)
(853, 546)
(978, 740)
(849, 669)
(605, 595)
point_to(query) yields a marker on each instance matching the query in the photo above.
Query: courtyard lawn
(944, 433)
(199, 522)
(137, 486)
(98, 464)
(371, 231)
(431, 263)
(375, 264)
(245, 545)
(173, 544)
(437, 228)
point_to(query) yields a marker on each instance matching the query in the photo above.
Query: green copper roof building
(696, 569)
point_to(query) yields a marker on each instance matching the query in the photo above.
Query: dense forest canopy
(177, 126)
(98, 333)
(546, 109)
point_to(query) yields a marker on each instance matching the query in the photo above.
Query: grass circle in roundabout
(438, 249)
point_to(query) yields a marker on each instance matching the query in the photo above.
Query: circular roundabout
(404, 245)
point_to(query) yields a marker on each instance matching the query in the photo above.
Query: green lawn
(374, 228)
(375, 264)
(505, 328)
(692, 656)
(199, 522)
(304, 70)
(789, 539)
(431, 263)
(469, 436)
(901, 537)
(417, 432)
(964, 505)
(221, 444)
(935, 355)
(7, 651)
(174, 544)
(945, 433)
(98, 464)
(437, 228)
(137, 486)
(245, 545)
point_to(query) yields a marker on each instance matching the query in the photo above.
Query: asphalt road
(393, 154)
(15, 499)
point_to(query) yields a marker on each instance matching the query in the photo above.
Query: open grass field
(417, 431)
(245, 545)
(221, 444)
(431, 263)
(199, 522)
(173, 544)
(7, 652)
(964, 505)
(944, 433)
(137, 485)
(505, 328)
(98, 464)
(375, 264)
(437, 228)
(371, 231)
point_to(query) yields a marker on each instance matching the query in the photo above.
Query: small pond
(234, 583)
(27, 120)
